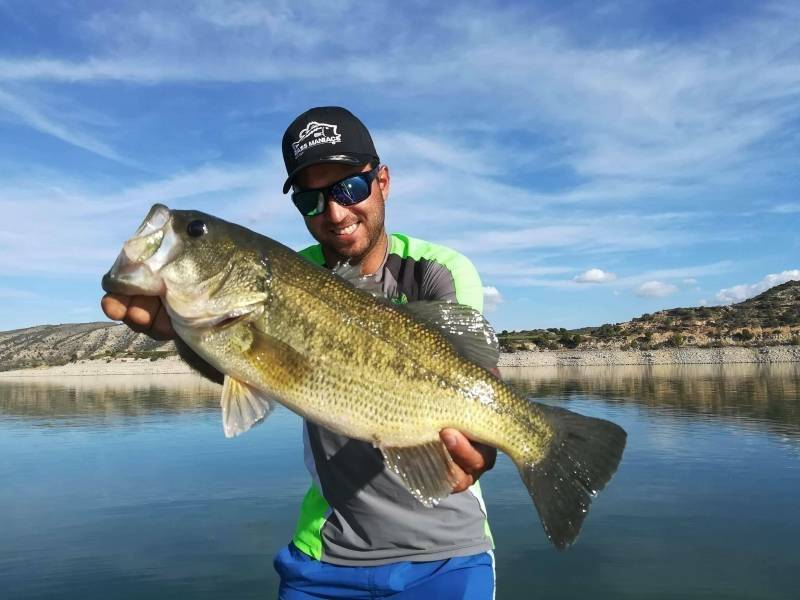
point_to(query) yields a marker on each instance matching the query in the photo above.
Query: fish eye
(196, 228)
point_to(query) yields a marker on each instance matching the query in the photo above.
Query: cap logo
(315, 134)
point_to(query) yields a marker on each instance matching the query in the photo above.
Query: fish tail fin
(581, 459)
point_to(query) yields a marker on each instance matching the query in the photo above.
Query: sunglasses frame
(326, 193)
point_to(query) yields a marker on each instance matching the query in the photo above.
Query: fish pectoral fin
(426, 470)
(243, 406)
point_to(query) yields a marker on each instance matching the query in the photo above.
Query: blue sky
(596, 161)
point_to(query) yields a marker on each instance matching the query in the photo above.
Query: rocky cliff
(771, 318)
(61, 344)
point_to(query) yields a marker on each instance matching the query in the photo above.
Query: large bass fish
(284, 330)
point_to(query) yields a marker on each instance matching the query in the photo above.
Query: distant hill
(771, 318)
(60, 344)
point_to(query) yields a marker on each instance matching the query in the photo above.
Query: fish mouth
(153, 244)
(217, 321)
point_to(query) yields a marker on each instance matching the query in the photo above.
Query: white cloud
(76, 230)
(738, 293)
(689, 272)
(18, 294)
(655, 289)
(491, 298)
(34, 117)
(690, 281)
(519, 274)
(786, 209)
(583, 234)
(595, 276)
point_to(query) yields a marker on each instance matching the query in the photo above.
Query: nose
(335, 211)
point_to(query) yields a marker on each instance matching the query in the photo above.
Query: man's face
(347, 232)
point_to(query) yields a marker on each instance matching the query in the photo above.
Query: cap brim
(343, 159)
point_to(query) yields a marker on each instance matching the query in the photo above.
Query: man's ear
(384, 180)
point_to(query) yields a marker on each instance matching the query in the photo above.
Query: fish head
(206, 270)
(137, 268)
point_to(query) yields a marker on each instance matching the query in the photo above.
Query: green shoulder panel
(466, 280)
(313, 254)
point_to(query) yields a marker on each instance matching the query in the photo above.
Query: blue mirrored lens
(351, 191)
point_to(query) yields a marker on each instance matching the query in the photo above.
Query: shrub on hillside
(676, 340)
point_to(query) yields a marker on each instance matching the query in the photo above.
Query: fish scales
(361, 371)
(389, 356)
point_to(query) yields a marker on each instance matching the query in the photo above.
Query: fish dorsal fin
(352, 274)
(427, 470)
(243, 406)
(464, 327)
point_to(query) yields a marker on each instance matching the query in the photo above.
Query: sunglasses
(346, 192)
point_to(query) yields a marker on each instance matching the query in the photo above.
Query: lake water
(124, 487)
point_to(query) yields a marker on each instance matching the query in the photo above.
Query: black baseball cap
(325, 134)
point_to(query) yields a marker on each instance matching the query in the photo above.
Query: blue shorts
(460, 578)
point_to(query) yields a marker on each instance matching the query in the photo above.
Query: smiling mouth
(345, 230)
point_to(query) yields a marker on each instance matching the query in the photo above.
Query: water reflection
(125, 487)
(748, 394)
(105, 397)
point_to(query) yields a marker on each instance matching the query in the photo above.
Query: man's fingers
(115, 306)
(144, 314)
(489, 455)
(162, 326)
(471, 459)
(142, 311)
(463, 480)
(464, 454)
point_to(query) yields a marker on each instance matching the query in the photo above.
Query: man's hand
(472, 458)
(144, 314)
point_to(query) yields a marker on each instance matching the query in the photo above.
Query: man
(360, 533)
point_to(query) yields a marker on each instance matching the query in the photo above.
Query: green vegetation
(135, 354)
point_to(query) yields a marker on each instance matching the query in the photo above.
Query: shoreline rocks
(664, 356)
(120, 366)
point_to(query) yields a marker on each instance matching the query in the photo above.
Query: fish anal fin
(243, 406)
(426, 470)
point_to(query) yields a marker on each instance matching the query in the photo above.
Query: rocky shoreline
(547, 358)
(119, 366)
(664, 356)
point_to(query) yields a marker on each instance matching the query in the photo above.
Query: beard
(351, 248)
